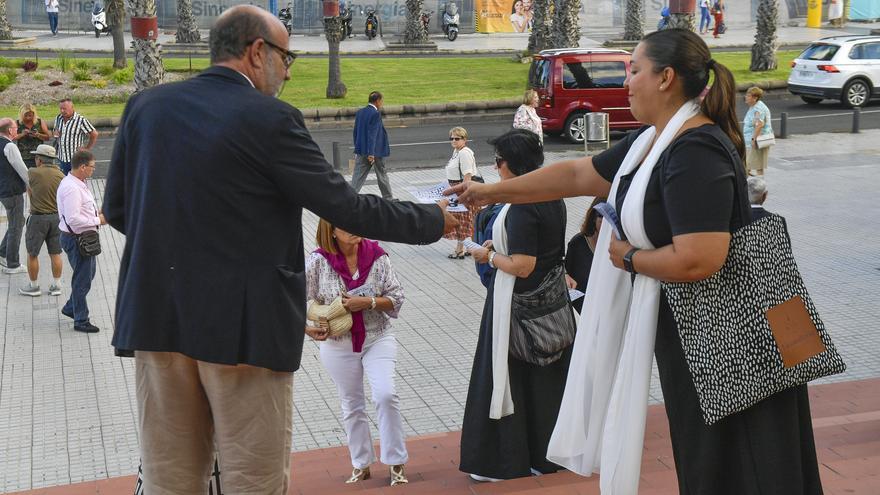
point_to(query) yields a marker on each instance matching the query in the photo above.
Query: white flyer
(434, 194)
(574, 294)
(362, 291)
(469, 244)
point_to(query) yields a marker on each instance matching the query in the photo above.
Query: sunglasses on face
(498, 161)
(455, 138)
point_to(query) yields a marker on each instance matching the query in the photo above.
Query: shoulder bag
(88, 242)
(751, 329)
(475, 178)
(542, 322)
(765, 141)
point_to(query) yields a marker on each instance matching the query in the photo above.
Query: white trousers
(378, 359)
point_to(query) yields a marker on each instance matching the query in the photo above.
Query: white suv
(840, 67)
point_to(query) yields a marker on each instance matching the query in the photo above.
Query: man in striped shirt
(71, 131)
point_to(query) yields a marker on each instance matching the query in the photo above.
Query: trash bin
(597, 132)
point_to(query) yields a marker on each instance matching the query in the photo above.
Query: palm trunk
(116, 18)
(187, 29)
(764, 49)
(566, 30)
(5, 27)
(148, 68)
(333, 32)
(634, 24)
(541, 37)
(414, 34)
(683, 21)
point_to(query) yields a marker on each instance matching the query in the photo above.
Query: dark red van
(573, 81)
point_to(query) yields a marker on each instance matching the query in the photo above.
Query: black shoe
(65, 313)
(86, 328)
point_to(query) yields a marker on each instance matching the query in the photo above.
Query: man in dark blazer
(371, 145)
(757, 196)
(207, 181)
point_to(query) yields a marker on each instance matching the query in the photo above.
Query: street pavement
(67, 405)
(737, 35)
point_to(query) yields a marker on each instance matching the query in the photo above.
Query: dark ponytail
(687, 54)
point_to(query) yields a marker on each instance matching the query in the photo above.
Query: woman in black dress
(516, 445)
(579, 253)
(694, 200)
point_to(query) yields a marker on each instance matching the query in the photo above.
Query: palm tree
(148, 68)
(333, 32)
(634, 24)
(414, 34)
(764, 49)
(5, 27)
(542, 20)
(566, 30)
(116, 18)
(187, 29)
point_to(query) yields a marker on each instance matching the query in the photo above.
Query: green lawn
(401, 80)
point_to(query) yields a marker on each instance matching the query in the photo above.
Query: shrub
(123, 76)
(38, 77)
(7, 63)
(64, 61)
(83, 65)
(29, 66)
(106, 70)
(98, 83)
(81, 75)
(7, 78)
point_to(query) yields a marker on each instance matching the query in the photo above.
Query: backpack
(483, 224)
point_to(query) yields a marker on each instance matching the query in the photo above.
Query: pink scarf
(368, 252)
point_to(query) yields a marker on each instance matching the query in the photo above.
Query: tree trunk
(846, 6)
(683, 21)
(634, 24)
(414, 34)
(541, 37)
(333, 32)
(566, 30)
(187, 29)
(148, 68)
(5, 27)
(116, 18)
(764, 49)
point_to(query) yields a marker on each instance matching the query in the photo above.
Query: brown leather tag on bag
(796, 336)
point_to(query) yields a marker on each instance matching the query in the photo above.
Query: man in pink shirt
(79, 213)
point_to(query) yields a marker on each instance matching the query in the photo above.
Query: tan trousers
(185, 407)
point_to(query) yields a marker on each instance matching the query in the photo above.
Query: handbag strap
(68, 226)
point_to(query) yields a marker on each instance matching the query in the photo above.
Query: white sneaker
(54, 290)
(30, 291)
(483, 479)
(13, 271)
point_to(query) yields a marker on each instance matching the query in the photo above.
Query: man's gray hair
(757, 190)
(234, 31)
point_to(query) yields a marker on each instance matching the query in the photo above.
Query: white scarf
(502, 294)
(602, 417)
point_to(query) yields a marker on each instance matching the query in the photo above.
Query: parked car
(574, 81)
(845, 68)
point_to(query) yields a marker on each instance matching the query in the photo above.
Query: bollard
(857, 117)
(337, 159)
(783, 125)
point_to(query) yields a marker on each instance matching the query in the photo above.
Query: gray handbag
(542, 321)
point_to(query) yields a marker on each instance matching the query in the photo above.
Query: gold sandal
(398, 477)
(358, 474)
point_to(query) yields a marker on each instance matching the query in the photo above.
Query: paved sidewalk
(67, 409)
(736, 36)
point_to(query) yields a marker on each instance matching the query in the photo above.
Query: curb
(172, 50)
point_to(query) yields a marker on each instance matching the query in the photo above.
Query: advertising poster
(504, 16)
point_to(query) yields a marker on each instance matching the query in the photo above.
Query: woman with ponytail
(679, 187)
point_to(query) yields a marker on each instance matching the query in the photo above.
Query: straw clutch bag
(335, 313)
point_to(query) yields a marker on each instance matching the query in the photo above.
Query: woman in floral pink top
(526, 117)
(360, 272)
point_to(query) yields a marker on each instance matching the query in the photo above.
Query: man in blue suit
(211, 297)
(371, 145)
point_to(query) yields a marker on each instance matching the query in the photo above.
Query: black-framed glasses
(455, 138)
(287, 56)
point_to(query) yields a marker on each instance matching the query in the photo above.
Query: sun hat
(45, 150)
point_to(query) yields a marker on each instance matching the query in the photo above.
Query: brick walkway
(67, 408)
(846, 420)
